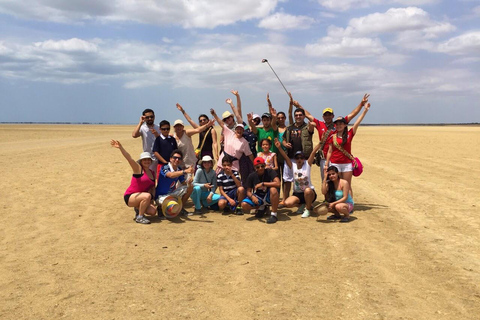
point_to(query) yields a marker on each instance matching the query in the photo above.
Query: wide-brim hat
(144, 155)
(206, 158)
(178, 121)
(171, 206)
(226, 114)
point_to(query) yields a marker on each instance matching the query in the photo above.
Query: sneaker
(306, 213)
(300, 209)
(186, 213)
(226, 211)
(197, 211)
(142, 220)
(272, 219)
(239, 211)
(334, 217)
(281, 204)
(260, 212)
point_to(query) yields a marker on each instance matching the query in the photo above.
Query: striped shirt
(227, 182)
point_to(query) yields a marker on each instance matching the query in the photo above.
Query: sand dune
(69, 248)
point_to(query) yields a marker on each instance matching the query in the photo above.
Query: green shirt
(270, 135)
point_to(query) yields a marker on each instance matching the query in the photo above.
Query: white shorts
(343, 167)
(288, 172)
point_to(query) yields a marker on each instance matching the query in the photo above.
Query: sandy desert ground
(69, 248)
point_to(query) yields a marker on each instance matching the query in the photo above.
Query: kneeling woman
(337, 194)
(204, 185)
(140, 193)
(303, 189)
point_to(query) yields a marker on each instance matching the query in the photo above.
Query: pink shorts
(350, 207)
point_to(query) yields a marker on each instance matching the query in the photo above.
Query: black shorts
(126, 198)
(301, 196)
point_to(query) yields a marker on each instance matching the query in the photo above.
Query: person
(230, 187)
(337, 195)
(303, 190)
(235, 145)
(149, 131)
(140, 193)
(326, 128)
(282, 128)
(267, 155)
(298, 137)
(269, 129)
(184, 140)
(164, 145)
(204, 185)
(340, 145)
(172, 182)
(208, 136)
(262, 190)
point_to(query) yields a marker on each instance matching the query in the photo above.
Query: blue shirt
(167, 185)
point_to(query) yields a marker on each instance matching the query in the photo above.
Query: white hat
(144, 155)
(206, 158)
(255, 116)
(239, 125)
(178, 121)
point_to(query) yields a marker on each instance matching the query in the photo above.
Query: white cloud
(344, 5)
(465, 44)
(283, 21)
(346, 47)
(167, 40)
(189, 14)
(72, 45)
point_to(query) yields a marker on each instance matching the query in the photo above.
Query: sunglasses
(176, 158)
(165, 129)
(203, 120)
(259, 166)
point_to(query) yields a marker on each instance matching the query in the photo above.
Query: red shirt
(322, 129)
(337, 155)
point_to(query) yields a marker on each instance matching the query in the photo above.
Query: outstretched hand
(367, 106)
(235, 92)
(180, 108)
(212, 111)
(228, 101)
(365, 98)
(250, 116)
(268, 100)
(115, 144)
(277, 143)
(296, 104)
(291, 98)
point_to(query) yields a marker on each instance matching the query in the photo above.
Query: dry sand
(69, 248)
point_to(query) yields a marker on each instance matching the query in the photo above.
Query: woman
(141, 191)
(184, 140)
(340, 145)
(336, 191)
(303, 190)
(235, 146)
(208, 136)
(204, 185)
(282, 128)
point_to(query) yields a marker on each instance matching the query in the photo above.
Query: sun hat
(226, 114)
(206, 159)
(327, 110)
(267, 115)
(340, 119)
(178, 121)
(171, 206)
(258, 160)
(144, 155)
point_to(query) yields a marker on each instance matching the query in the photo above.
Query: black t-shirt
(295, 134)
(253, 179)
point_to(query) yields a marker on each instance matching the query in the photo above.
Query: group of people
(253, 160)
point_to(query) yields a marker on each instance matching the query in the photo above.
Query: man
(269, 130)
(164, 144)
(172, 182)
(298, 137)
(326, 128)
(230, 187)
(148, 130)
(262, 190)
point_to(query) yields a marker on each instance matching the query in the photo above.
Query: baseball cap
(255, 116)
(258, 160)
(342, 119)
(299, 153)
(239, 125)
(178, 121)
(327, 110)
(266, 114)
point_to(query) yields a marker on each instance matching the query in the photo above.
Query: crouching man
(171, 181)
(262, 191)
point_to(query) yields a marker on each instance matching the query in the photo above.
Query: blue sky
(105, 61)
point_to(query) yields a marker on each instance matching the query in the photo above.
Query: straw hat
(171, 206)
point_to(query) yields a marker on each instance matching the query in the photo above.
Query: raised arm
(214, 114)
(214, 143)
(136, 131)
(137, 169)
(359, 107)
(273, 112)
(290, 109)
(185, 114)
(253, 127)
(239, 105)
(191, 132)
(237, 114)
(359, 120)
(329, 154)
(312, 155)
(307, 114)
(284, 155)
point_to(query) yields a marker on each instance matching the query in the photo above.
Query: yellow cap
(328, 110)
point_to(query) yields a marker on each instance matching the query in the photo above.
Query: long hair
(344, 136)
(330, 196)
